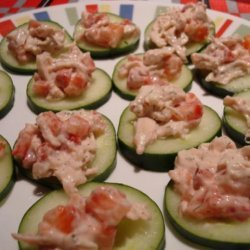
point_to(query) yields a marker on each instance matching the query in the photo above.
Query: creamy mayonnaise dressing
(176, 27)
(86, 223)
(163, 111)
(61, 145)
(243, 107)
(225, 59)
(213, 180)
(26, 44)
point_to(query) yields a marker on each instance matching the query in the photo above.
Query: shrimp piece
(50, 127)
(76, 128)
(108, 205)
(24, 139)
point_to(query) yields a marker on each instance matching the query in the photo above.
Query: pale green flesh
(183, 80)
(236, 85)
(99, 87)
(6, 167)
(10, 61)
(6, 89)
(79, 29)
(209, 126)
(191, 47)
(146, 235)
(236, 120)
(106, 149)
(210, 230)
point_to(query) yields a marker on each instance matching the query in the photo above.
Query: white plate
(24, 194)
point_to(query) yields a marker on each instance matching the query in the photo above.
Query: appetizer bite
(207, 199)
(101, 216)
(237, 117)
(223, 66)
(7, 92)
(106, 34)
(7, 172)
(161, 121)
(69, 147)
(69, 81)
(18, 50)
(186, 29)
(154, 66)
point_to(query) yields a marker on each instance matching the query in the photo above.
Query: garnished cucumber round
(97, 93)
(7, 91)
(160, 155)
(216, 234)
(7, 172)
(184, 81)
(10, 62)
(234, 123)
(139, 234)
(235, 86)
(191, 47)
(126, 45)
(104, 161)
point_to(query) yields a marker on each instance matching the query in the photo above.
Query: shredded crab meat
(178, 26)
(61, 145)
(100, 30)
(86, 223)
(243, 107)
(156, 66)
(163, 111)
(26, 44)
(68, 75)
(224, 59)
(213, 180)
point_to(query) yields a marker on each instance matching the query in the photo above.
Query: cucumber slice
(234, 123)
(146, 235)
(7, 91)
(98, 92)
(184, 81)
(191, 47)
(216, 234)
(235, 86)
(7, 172)
(160, 155)
(105, 159)
(125, 46)
(10, 62)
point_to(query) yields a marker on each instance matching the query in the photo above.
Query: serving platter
(24, 193)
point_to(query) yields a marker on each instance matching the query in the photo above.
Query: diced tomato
(77, 128)
(246, 42)
(62, 218)
(41, 88)
(77, 84)
(196, 31)
(63, 78)
(34, 24)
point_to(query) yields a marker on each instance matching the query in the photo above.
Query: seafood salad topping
(243, 107)
(178, 26)
(68, 75)
(225, 59)
(62, 145)
(86, 223)
(163, 111)
(213, 180)
(100, 30)
(156, 65)
(26, 44)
